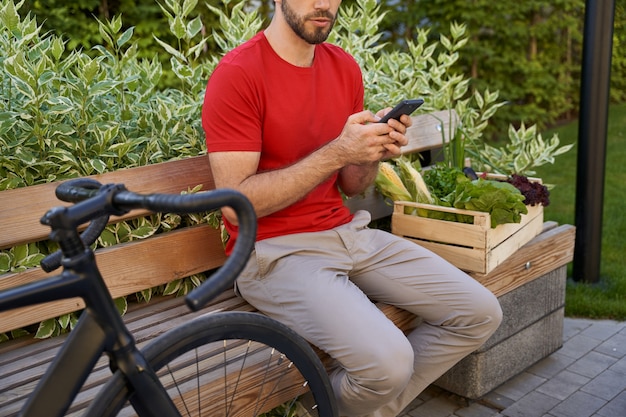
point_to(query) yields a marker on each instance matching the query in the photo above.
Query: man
(285, 125)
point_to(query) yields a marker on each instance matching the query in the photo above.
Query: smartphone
(404, 107)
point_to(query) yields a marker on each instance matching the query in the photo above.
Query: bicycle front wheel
(231, 364)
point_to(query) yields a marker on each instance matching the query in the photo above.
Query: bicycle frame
(100, 329)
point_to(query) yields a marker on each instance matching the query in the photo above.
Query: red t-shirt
(256, 101)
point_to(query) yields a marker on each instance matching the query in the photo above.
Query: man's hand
(400, 128)
(363, 140)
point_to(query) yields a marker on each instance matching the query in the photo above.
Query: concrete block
(481, 372)
(528, 303)
(532, 328)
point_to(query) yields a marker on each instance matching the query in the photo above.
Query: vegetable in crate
(453, 189)
(534, 192)
(442, 180)
(390, 184)
(501, 200)
(402, 181)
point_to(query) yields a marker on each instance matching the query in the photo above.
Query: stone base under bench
(532, 328)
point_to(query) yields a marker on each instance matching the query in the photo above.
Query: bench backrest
(134, 266)
(163, 258)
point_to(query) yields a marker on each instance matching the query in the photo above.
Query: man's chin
(317, 37)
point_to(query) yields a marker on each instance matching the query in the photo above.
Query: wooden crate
(471, 247)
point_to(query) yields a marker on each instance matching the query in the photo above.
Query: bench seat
(191, 250)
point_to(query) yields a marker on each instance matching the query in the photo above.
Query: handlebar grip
(228, 273)
(77, 190)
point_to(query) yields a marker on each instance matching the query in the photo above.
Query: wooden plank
(128, 268)
(442, 231)
(546, 252)
(429, 131)
(531, 224)
(21, 208)
(516, 240)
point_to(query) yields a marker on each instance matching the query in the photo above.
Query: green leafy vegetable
(443, 180)
(500, 199)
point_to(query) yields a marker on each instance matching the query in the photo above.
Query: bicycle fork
(148, 396)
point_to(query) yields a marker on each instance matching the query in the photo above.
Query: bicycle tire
(228, 328)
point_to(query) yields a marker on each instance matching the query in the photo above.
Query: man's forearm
(274, 190)
(354, 179)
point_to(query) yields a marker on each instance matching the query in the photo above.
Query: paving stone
(413, 404)
(619, 366)
(532, 405)
(436, 407)
(602, 329)
(552, 365)
(579, 345)
(617, 407)
(614, 346)
(579, 404)
(477, 410)
(519, 386)
(497, 401)
(592, 364)
(572, 327)
(563, 385)
(607, 385)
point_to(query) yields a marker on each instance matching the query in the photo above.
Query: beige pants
(320, 284)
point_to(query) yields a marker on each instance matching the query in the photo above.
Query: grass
(607, 297)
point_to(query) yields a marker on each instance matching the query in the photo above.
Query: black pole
(592, 132)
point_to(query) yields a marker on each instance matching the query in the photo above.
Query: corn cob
(389, 183)
(416, 185)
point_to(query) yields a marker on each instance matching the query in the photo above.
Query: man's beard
(317, 35)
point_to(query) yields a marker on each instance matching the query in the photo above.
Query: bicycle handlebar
(95, 202)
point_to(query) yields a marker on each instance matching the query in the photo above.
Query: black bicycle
(192, 369)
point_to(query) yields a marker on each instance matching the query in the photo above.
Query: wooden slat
(548, 251)
(128, 268)
(429, 131)
(21, 208)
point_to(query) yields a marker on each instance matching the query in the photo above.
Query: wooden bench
(131, 267)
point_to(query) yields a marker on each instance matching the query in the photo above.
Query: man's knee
(384, 373)
(487, 316)
(392, 369)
